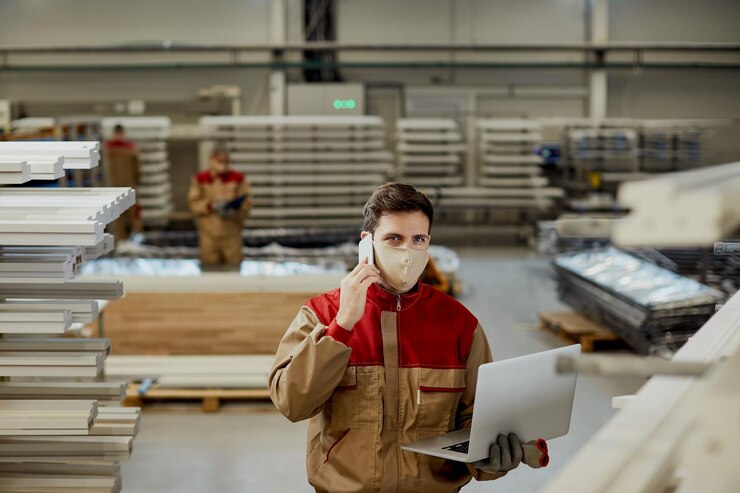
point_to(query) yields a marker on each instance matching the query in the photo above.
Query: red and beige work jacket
(206, 188)
(406, 371)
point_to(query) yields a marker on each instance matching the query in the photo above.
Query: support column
(278, 78)
(597, 84)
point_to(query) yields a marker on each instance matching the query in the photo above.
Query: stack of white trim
(430, 152)
(305, 170)
(150, 134)
(664, 211)
(509, 169)
(46, 157)
(210, 371)
(53, 411)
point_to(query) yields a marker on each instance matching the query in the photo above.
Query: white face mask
(400, 267)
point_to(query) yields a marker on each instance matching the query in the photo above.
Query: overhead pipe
(170, 46)
(236, 64)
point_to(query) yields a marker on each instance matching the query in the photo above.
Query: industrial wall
(648, 93)
(391, 92)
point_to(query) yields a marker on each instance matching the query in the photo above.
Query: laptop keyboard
(461, 447)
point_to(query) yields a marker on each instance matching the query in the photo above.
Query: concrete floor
(253, 448)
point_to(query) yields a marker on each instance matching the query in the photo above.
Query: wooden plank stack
(154, 192)
(223, 323)
(61, 429)
(305, 170)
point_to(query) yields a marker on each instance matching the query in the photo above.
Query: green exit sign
(344, 104)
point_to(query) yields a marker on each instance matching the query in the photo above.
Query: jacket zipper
(398, 302)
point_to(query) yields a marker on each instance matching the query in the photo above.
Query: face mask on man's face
(400, 267)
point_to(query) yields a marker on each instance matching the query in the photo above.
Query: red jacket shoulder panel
(118, 144)
(204, 177)
(437, 332)
(325, 306)
(233, 176)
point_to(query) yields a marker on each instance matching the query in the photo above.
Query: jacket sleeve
(197, 200)
(480, 353)
(245, 189)
(309, 364)
(137, 168)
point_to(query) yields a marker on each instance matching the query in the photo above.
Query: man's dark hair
(392, 198)
(118, 128)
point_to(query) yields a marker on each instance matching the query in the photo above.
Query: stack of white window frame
(430, 152)
(154, 193)
(61, 429)
(22, 161)
(304, 170)
(509, 172)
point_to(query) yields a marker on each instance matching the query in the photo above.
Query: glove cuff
(544, 457)
(536, 454)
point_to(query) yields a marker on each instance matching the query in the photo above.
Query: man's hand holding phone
(353, 293)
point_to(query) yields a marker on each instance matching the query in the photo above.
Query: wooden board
(575, 328)
(200, 323)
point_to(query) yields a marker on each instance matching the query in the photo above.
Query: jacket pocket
(437, 397)
(356, 400)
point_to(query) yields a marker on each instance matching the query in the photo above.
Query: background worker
(220, 198)
(123, 171)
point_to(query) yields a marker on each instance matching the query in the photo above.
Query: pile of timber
(227, 323)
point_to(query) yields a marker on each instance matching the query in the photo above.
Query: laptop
(522, 395)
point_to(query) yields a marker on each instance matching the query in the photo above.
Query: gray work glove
(507, 452)
(221, 207)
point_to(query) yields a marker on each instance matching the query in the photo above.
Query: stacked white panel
(509, 170)
(305, 170)
(60, 428)
(154, 192)
(431, 152)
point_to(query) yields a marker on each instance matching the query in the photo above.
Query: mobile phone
(366, 249)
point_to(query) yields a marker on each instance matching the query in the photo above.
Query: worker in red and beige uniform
(385, 360)
(124, 170)
(220, 198)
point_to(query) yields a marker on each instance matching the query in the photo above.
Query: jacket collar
(389, 301)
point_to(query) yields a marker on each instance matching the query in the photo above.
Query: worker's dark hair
(220, 148)
(395, 197)
(118, 128)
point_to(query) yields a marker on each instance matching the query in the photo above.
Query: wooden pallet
(573, 327)
(211, 399)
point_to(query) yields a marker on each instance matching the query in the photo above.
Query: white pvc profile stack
(60, 428)
(25, 160)
(430, 152)
(154, 192)
(687, 208)
(305, 170)
(509, 171)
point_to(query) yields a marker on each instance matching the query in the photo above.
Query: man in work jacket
(385, 360)
(123, 171)
(220, 198)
